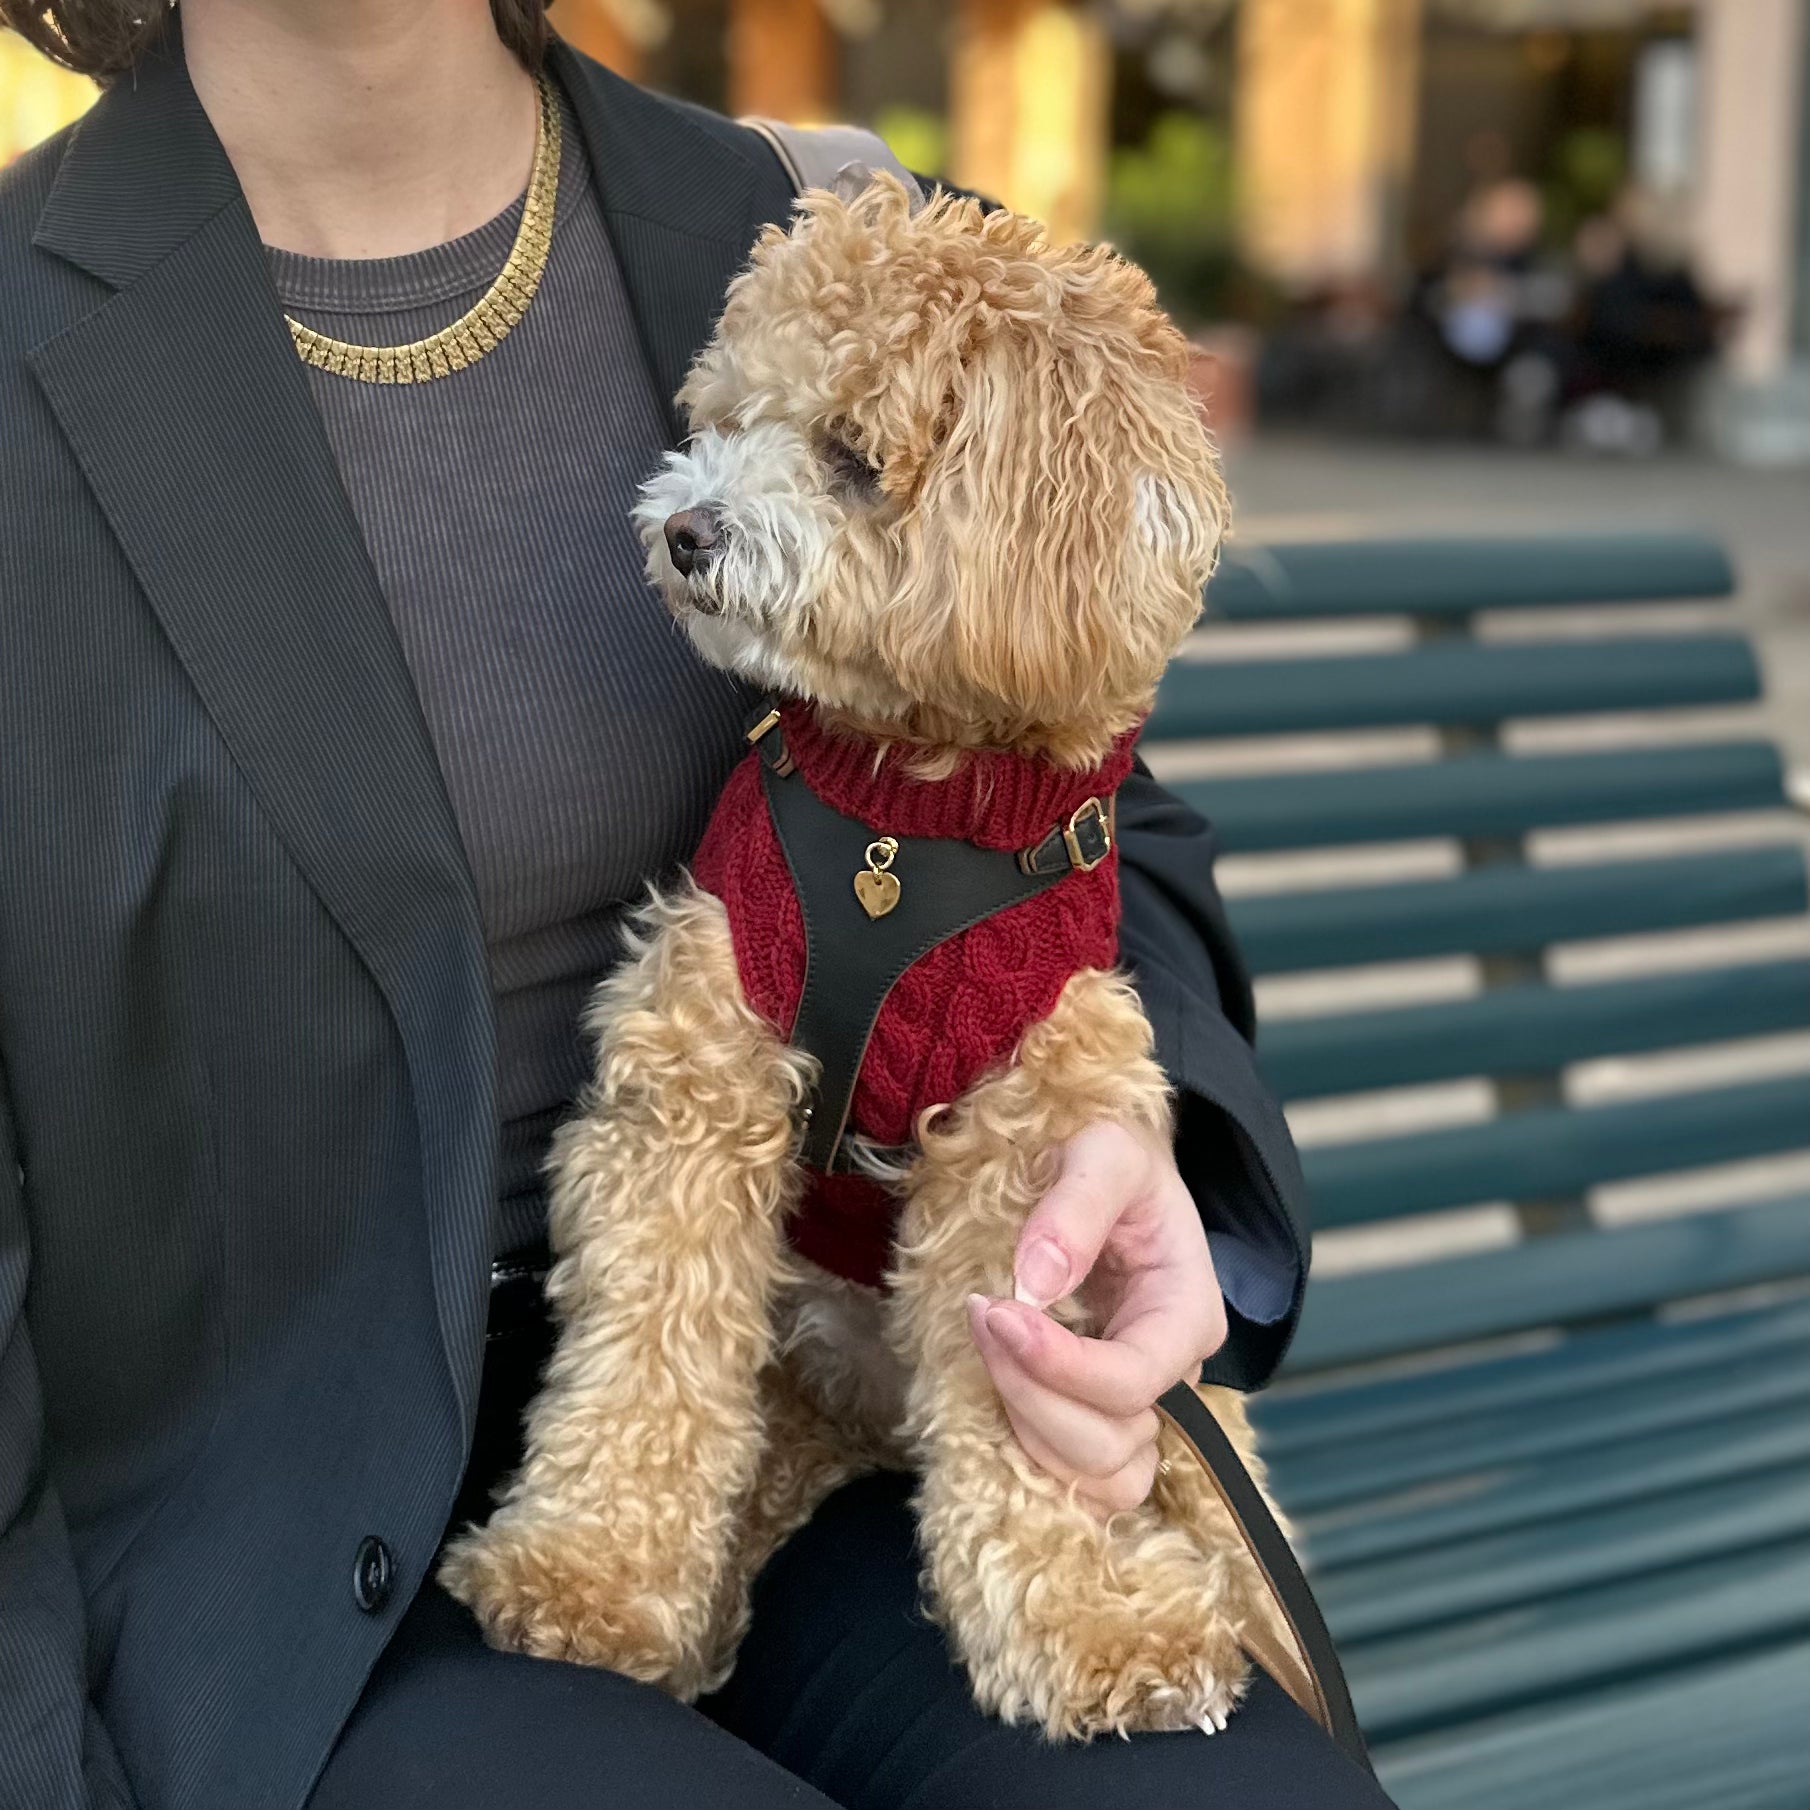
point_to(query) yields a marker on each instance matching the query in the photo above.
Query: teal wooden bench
(1555, 1496)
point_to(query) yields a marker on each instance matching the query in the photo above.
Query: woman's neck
(363, 128)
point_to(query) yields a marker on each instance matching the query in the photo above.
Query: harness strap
(852, 960)
(1082, 843)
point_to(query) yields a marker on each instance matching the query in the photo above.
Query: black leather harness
(852, 960)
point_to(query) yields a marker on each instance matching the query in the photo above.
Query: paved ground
(1304, 489)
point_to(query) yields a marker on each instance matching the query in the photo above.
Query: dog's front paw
(1116, 1631)
(1129, 1661)
(555, 1590)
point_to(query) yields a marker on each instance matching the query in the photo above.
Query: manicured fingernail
(1009, 1330)
(978, 1304)
(1042, 1273)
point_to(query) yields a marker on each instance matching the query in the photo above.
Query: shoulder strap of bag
(813, 156)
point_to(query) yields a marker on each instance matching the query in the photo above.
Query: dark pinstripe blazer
(247, 1126)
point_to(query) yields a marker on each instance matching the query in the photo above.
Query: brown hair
(104, 38)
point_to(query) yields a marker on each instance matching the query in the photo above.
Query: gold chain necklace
(490, 317)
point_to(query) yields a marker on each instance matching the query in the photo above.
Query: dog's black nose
(691, 537)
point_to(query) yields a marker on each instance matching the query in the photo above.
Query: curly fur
(1077, 1626)
(1047, 504)
(1011, 567)
(611, 1542)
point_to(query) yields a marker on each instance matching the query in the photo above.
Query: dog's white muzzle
(738, 528)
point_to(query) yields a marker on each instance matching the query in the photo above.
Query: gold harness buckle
(1092, 810)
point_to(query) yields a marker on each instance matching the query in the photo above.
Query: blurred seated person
(1496, 285)
(1641, 327)
(1613, 376)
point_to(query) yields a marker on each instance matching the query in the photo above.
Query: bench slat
(1501, 1570)
(1486, 795)
(1555, 1493)
(1491, 1536)
(1454, 577)
(1493, 910)
(1311, 1414)
(1549, 1281)
(1450, 683)
(1554, 1151)
(1727, 1735)
(1529, 1030)
(1311, 1482)
(1591, 1636)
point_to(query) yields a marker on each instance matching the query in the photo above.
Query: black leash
(1310, 1672)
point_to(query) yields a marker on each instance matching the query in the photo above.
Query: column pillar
(1326, 107)
(782, 61)
(1029, 91)
(1752, 66)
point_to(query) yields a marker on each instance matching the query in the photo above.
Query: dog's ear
(1074, 510)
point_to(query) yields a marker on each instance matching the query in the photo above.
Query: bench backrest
(1455, 677)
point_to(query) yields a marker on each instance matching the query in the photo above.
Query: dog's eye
(850, 471)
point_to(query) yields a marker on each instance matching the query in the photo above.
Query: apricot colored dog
(956, 499)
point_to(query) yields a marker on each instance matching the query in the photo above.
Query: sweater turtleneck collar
(993, 799)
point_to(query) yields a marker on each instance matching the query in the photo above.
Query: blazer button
(373, 1574)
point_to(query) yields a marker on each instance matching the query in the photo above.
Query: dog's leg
(832, 1403)
(1076, 1624)
(806, 1457)
(611, 1543)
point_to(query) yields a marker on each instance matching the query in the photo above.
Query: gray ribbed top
(583, 742)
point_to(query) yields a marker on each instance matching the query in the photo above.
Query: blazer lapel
(684, 194)
(184, 401)
(188, 409)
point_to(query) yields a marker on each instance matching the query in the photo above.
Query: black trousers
(844, 1694)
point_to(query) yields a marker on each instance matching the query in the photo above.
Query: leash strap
(1309, 1669)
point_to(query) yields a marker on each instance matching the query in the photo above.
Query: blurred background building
(1531, 220)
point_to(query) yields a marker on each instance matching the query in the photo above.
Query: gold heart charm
(877, 890)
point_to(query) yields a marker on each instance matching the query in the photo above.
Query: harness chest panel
(975, 952)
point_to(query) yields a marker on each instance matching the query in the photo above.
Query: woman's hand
(1120, 1228)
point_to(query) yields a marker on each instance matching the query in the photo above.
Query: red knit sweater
(958, 1010)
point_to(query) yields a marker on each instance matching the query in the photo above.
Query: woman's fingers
(1120, 1227)
(1168, 1322)
(1085, 1442)
(1159, 1342)
(1128, 1486)
(1103, 1171)
(1117, 1494)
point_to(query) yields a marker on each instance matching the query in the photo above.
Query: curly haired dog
(948, 493)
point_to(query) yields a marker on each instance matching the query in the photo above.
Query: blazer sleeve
(55, 1754)
(1232, 1144)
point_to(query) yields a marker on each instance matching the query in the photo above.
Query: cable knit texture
(957, 1011)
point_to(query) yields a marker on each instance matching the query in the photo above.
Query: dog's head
(944, 479)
